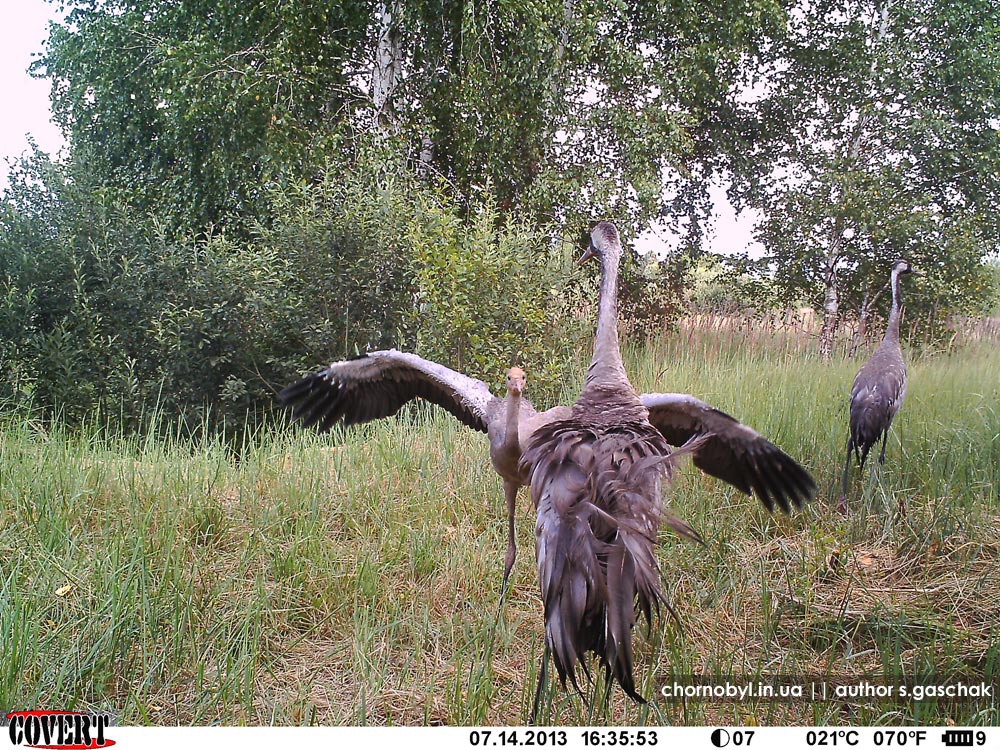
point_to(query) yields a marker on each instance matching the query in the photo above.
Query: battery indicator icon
(957, 738)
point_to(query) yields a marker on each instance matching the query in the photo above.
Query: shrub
(487, 297)
(101, 309)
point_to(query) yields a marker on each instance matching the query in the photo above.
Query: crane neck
(510, 436)
(607, 360)
(892, 329)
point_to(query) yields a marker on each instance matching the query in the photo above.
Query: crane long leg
(510, 495)
(885, 436)
(842, 506)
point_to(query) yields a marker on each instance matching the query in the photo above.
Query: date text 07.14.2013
(560, 737)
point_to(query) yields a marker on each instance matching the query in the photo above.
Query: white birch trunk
(831, 298)
(831, 313)
(387, 73)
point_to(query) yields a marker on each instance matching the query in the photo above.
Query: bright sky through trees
(22, 33)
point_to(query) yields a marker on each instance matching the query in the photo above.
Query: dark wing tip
(793, 484)
(315, 400)
(778, 480)
(298, 390)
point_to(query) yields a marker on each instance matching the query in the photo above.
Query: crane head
(516, 380)
(603, 241)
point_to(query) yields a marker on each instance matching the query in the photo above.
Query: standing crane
(596, 477)
(595, 471)
(879, 388)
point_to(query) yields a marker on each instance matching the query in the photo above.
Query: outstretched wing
(731, 451)
(377, 384)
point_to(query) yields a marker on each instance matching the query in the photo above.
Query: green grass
(355, 578)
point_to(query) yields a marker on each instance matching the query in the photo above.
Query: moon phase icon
(720, 738)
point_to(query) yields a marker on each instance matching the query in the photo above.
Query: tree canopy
(879, 138)
(252, 184)
(559, 108)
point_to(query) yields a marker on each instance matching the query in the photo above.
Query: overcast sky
(22, 35)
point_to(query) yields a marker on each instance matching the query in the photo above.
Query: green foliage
(487, 296)
(393, 263)
(102, 309)
(344, 238)
(726, 286)
(650, 295)
(193, 109)
(877, 140)
(115, 314)
(247, 195)
(63, 253)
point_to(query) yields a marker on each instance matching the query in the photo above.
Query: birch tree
(561, 109)
(878, 138)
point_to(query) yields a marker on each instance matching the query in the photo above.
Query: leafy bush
(63, 251)
(382, 260)
(650, 296)
(100, 308)
(488, 297)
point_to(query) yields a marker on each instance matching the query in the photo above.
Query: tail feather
(682, 528)
(621, 618)
(597, 499)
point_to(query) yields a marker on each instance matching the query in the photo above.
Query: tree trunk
(387, 72)
(831, 313)
(831, 294)
(556, 80)
(426, 158)
(831, 300)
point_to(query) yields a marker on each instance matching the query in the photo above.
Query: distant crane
(879, 388)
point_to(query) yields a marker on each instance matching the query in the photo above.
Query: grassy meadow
(355, 578)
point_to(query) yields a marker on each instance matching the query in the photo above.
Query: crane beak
(587, 255)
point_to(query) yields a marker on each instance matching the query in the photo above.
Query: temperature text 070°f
(899, 737)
